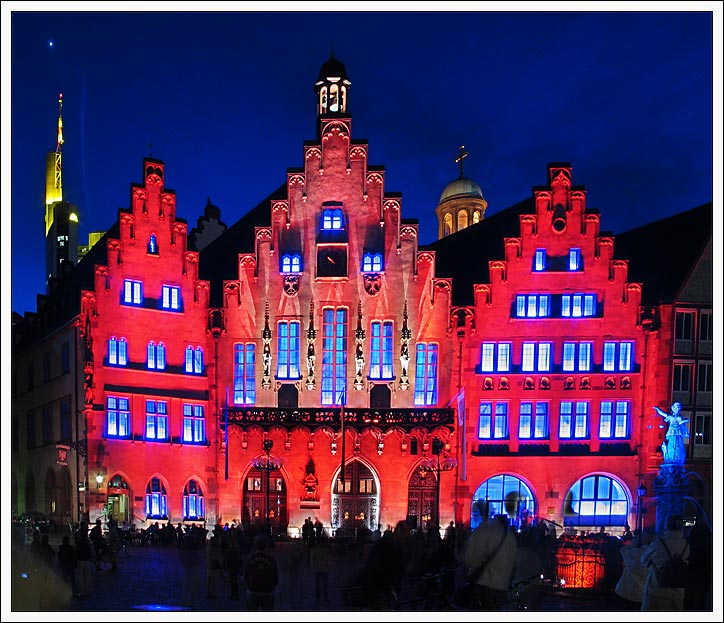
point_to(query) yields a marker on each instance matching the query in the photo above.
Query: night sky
(226, 100)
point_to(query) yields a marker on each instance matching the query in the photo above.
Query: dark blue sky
(226, 100)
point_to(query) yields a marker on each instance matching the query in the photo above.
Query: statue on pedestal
(674, 448)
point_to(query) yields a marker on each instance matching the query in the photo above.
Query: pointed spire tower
(461, 203)
(53, 172)
(61, 218)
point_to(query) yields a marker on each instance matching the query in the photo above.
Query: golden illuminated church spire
(53, 172)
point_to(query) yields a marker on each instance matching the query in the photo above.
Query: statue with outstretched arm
(674, 448)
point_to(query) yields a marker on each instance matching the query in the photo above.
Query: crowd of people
(392, 560)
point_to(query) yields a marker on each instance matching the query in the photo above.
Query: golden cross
(463, 154)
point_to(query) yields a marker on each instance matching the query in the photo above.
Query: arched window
(156, 356)
(193, 502)
(117, 351)
(447, 224)
(594, 501)
(476, 216)
(156, 503)
(462, 219)
(503, 494)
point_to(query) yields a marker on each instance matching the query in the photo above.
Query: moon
(50, 44)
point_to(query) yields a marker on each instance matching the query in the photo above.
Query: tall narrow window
(705, 330)
(533, 305)
(156, 502)
(574, 259)
(615, 416)
(381, 349)
(533, 424)
(152, 245)
(493, 420)
(684, 325)
(334, 356)
(573, 422)
(618, 356)
(65, 425)
(132, 292)
(536, 357)
(194, 361)
(117, 351)
(156, 356)
(288, 349)
(65, 357)
(156, 420)
(539, 261)
(244, 374)
(193, 502)
(118, 417)
(495, 357)
(194, 424)
(425, 374)
(171, 297)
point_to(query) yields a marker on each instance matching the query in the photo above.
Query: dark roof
(662, 254)
(219, 261)
(62, 304)
(333, 68)
(464, 255)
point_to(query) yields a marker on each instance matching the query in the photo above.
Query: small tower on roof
(461, 202)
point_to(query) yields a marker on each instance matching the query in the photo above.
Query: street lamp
(267, 464)
(640, 493)
(437, 466)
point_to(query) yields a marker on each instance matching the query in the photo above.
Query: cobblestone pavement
(151, 580)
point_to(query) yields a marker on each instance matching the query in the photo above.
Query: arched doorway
(503, 494)
(421, 508)
(258, 507)
(355, 503)
(119, 496)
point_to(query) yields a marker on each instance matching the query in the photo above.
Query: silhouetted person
(84, 557)
(261, 576)
(698, 590)
(663, 598)
(67, 563)
(233, 560)
(630, 586)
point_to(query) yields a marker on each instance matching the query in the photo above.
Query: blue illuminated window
(618, 356)
(381, 350)
(117, 352)
(156, 502)
(495, 357)
(596, 501)
(615, 419)
(193, 502)
(291, 263)
(132, 292)
(574, 259)
(118, 417)
(533, 305)
(536, 357)
(372, 263)
(533, 424)
(493, 420)
(332, 218)
(171, 298)
(156, 420)
(194, 362)
(539, 261)
(573, 423)
(577, 356)
(425, 374)
(288, 349)
(578, 305)
(244, 374)
(156, 356)
(194, 424)
(334, 356)
(152, 245)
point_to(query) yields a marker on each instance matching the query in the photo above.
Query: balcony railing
(384, 419)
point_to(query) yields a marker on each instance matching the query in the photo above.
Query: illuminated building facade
(312, 359)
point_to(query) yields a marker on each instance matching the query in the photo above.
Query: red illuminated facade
(315, 360)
